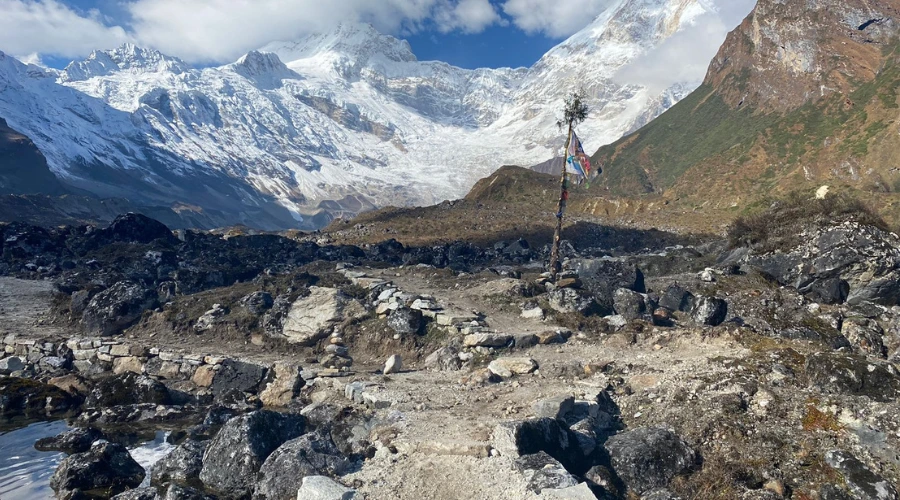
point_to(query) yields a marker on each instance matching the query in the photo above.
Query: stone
(313, 317)
(281, 476)
(179, 492)
(553, 407)
(72, 384)
(580, 492)
(336, 362)
(649, 458)
(533, 313)
(145, 493)
(602, 277)
(11, 364)
(629, 304)
(709, 311)
(337, 350)
(861, 481)
(117, 308)
(393, 365)
(324, 488)
(866, 335)
(676, 298)
(507, 367)
(425, 304)
(524, 437)
(233, 375)
(210, 318)
(258, 303)
(662, 494)
(405, 321)
(570, 300)
(284, 387)
(444, 359)
(181, 466)
(128, 364)
(78, 440)
(106, 466)
(487, 340)
(204, 376)
(543, 472)
(551, 337)
(707, 275)
(127, 389)
(834, 373)
(120, 350)
(240, 448)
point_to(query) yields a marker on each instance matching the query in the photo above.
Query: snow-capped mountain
(299, 132)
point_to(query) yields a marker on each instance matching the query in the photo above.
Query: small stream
(25, 472)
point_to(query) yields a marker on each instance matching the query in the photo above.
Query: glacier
(297, 133)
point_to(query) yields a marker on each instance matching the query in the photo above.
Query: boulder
(709, 311)
(544, 472)
(311, 455)
(313, 317)
(525, 437)
(405, 321)
(861, 481)
(258, 303)
(324, 488)
(284, 387)
(507, 367)
(676, 298)
(570, 300)
(106, 466)
(602, 277)
(835, 373)
(866, 335)
(145, 493)
(236, 454)
(77, 440)
(127, 389)
(580, 492)
(20, 396)
(181, 466)
(210, 318)
(11, 364)
(649, 458)
(444, 359)
(487, 340)
(629, 304)
(393, 364)
(233, 375)
(554, 407)
(179, 492)
(117, 308)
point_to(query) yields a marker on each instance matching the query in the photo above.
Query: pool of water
(25, 472)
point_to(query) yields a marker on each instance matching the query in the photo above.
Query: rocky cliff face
(802, 94)
(23, 169)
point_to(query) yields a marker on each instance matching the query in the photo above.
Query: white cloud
(50, 27)
(554, 18)
(468, 16)
(685, 56)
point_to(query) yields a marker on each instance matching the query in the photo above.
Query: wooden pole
(555, 265)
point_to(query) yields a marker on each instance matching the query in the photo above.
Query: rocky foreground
(288, 369)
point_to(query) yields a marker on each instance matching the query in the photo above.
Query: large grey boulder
(602, 277)
(239, 450)
(629, 304)
(234, 375)
(310, 455)
(648, 458)
(181, 466)
(570, 300)
(544, 472)
(117, 308)
(127, 389)
(835, 373)
(313, 317)
(106, 466)
(405, 321)
(78, 440)
(709, 311)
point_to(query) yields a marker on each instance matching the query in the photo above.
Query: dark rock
(866, 335)
(602, 277)
(127, 389)
(106, 466)
(136, 228)
(570, 300)
(629, 304)
(19, 396)
(544, 472)
(71, 441)
(709, 311)
(311, 455)
(179, 492)
(604, 480)
(829, 291)
(181, 466)
(236, 454)
(862, 482)
(444, 359)
(676, 298)
(834, 373)
(832, 492)
(117, 308)
(646, 459)
(11, 364)
(525, 437)
(405, 321)
(661, 494)
(146, 493)
(258, 302)
(237, 376)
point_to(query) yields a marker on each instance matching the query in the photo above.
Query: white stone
(393, 365)
(707, 275)
(533, 313)
(324, 488)
(387, 294)
(312, 318)
(507, 367)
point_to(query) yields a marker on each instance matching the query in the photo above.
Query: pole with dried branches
(575, 112)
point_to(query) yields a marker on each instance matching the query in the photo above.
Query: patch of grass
(817, 420)
(781, 226)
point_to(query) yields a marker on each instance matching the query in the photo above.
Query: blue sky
(466, 33)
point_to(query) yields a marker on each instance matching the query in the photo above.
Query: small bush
(782, 225)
